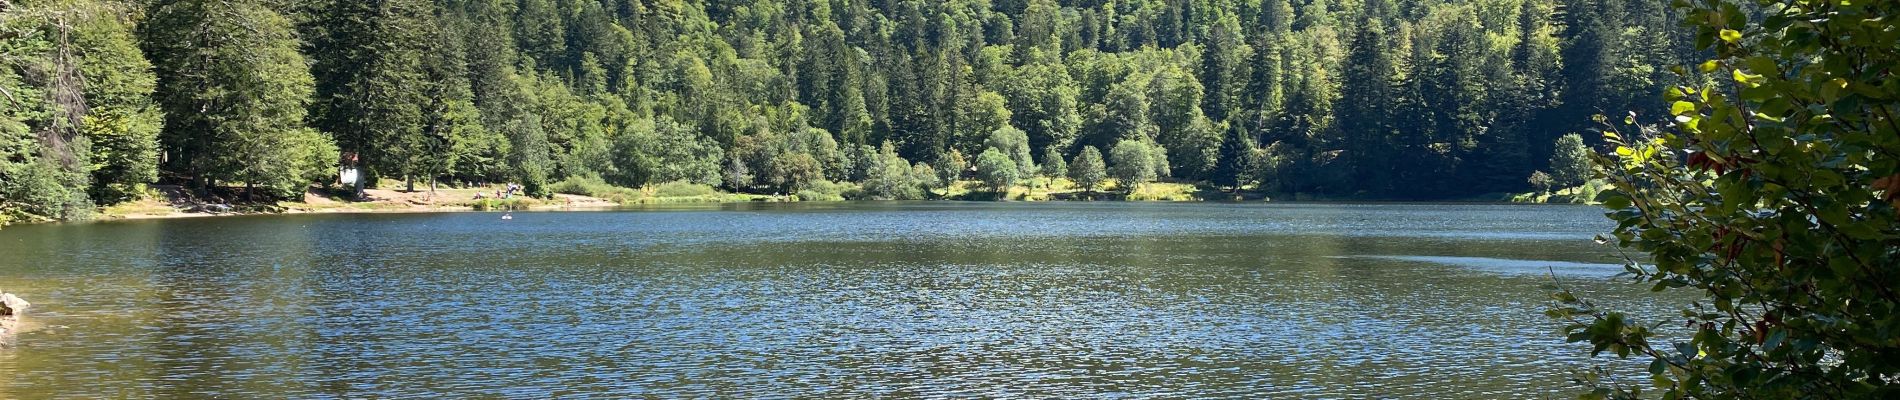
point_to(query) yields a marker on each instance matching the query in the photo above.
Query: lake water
(903, 300)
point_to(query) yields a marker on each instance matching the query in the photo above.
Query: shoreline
(614, 207)
(417, 210)
(171, 203)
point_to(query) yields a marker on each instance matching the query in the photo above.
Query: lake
(902, 300)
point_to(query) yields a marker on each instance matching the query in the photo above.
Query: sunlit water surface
(930, 300)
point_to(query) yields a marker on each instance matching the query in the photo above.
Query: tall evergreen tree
(372, 86)
(234, 89)
(1363, 117)
(122, 122)
(1224, 68)
(1237, 160)
(43, 151)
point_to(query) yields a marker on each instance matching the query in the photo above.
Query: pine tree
(1263, 102)
(43, 154)
(122, 122)
(1224, 68)
(1367, 97)
(454, 141)
(372, 84)
(1275, 18)
(1237, 163)
(234, 88)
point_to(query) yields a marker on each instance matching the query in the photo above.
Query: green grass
(678, 192)
(683, 189)
(664, 193)
(143, 206)
(597, 188)
(1052, 189)
(827, 191)
(1163, 191)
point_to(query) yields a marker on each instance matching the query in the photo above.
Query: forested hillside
(1396, 99)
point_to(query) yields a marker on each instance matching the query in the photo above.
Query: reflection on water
(927, 300)
(1510, 266)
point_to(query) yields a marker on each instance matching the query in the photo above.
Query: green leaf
(1762, 65)
(1826, 178)
(1681, 108)
(1831, 90)
(1613, 200)
(1873, 92)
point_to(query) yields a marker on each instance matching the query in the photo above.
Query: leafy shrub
(829, 191)
(683, 189)
(997, 170)
(1087, 170)
(41, 189)
(592, 186)
(1774, 197)
(1134, 162)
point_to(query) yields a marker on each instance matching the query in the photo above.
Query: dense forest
(1375, 99)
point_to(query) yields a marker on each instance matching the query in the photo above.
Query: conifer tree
(234, 89)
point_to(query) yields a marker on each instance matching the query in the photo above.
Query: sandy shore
(377, 201)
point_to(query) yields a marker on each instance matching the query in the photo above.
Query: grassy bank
(665, 193)
(1062, 189)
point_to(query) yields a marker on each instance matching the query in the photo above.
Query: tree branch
(3, 90)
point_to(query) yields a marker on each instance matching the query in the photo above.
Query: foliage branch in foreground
(1774, 195)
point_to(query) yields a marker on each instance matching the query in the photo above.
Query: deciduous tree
(1772, 196)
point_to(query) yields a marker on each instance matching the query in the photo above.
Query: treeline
(1359, 98)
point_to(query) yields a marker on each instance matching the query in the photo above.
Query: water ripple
(854, 301)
